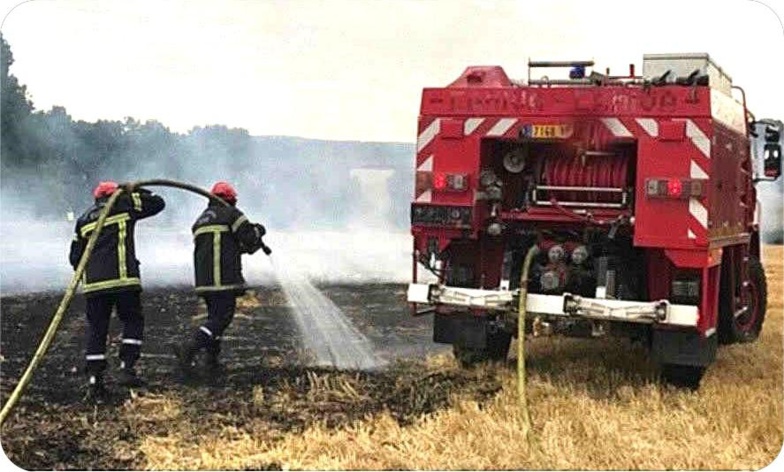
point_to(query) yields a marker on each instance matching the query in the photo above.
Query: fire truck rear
(637, 191)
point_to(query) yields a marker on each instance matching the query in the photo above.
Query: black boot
(211, 362)
(128, 377)
(185, 356)
(96, 390)
(213, 368)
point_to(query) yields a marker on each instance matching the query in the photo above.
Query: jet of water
(325, 329)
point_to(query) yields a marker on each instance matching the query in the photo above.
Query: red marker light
(674, 188)
(439, 181)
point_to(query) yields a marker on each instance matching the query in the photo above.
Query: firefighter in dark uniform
(221, 235)
(111, 280)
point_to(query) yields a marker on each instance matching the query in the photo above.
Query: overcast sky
(353, 69)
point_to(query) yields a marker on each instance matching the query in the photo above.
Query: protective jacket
(221, 235)
(113, 266)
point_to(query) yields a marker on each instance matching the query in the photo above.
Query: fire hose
(523, 292)
(69, 293)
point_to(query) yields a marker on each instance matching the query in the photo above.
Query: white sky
(353, 69)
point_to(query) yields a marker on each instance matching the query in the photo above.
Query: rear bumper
(660, 312)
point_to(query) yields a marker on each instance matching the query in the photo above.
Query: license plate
(552, 131)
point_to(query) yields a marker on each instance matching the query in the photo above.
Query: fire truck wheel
(745, 328)
(682, 376)
(496, 350)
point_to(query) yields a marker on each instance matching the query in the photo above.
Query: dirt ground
(53, 427)
(595, 404)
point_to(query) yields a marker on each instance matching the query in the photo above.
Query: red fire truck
(637, 190)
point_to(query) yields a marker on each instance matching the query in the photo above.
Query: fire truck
(637, 191)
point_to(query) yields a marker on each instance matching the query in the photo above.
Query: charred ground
(265, 390)
(595, 404)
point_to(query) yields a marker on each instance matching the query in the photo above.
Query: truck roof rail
(559, 63)
(578, 65)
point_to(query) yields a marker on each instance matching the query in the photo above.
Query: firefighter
(111, 280)
(221, 235)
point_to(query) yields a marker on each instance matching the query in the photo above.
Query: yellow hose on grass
(69, 293)
(523, 293)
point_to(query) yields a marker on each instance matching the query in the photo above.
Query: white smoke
(771, 199)
(373, 201)
(34, 251)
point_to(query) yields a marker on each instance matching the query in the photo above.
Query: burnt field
(265, 379)
(594, 403)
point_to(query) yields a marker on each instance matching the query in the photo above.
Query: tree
(15, 111)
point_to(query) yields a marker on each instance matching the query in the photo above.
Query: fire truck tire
(682, 376)
(497, 349)
(747, 327)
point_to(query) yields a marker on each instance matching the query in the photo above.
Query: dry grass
(594, 405)
(248, 301)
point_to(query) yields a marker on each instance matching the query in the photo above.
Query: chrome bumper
(661, 311)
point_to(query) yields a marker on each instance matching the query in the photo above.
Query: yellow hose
(58, 315)
(523, 292)
(69, 293)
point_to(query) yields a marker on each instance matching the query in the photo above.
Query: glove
(128, 187)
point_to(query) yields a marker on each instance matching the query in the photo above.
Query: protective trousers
(220, 312)
(99, 312)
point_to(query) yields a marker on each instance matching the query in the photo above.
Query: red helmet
(104, 189)
(225, 191)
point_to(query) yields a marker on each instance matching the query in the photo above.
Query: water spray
(325, 329)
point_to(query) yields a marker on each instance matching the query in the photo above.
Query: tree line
(54, 161)
(63, 158)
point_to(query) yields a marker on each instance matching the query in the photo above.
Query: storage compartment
(681, 65)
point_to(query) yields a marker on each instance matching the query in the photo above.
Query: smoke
(771, 198)
(33, 252)
(337, 226)
(338, 211)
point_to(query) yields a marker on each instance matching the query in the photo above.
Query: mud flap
(683, 348)
(462, 329)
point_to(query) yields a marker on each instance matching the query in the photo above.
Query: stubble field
(594, 404)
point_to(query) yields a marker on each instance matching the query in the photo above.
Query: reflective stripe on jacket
(221, 235)
(113, 265)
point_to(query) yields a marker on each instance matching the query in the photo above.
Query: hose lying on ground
(523, 292)
(77, 277)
